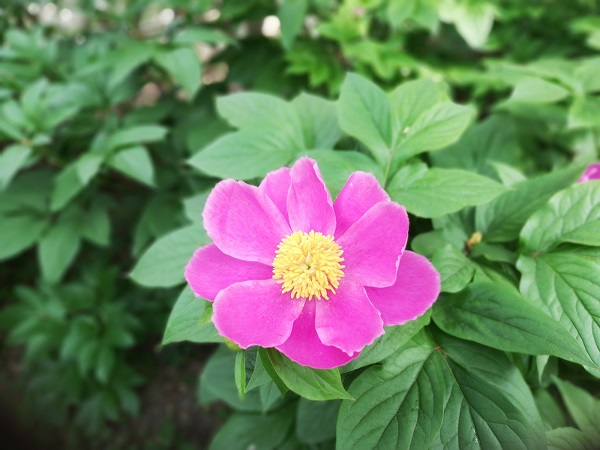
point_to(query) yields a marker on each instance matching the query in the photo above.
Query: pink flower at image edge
(315, 279)
(592, 172)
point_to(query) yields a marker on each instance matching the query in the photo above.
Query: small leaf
(135, 162)
(313, 384)
(66, 186)
(319, 121)
(291, 16)
(190, 320)
(183, 66)
(135, 135)
(240, 373)
(537, 90)
(456, 270)
(58, 248)
(583, 407)
(11, 160)
(163, 263)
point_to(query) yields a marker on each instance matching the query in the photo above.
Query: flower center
(308, 264)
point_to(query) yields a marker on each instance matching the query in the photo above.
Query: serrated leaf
(162, 265)
(312, 384)
(501, 219)
(437, 192)
(189, 321)
(244, 154)
(565, 285)
(497, 316)
(572, 215)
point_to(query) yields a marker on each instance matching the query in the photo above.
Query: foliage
(116, 119)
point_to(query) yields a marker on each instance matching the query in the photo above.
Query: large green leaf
(315, 421)
(245, 154)
(18, 232)
(572, 215)
(565, 285)
(567, 438)
(437, 192)
(399, 404)
(190, 320)
(501, 219)
(497, 316)
(162, 264)
(57, 249)
(364, 113)
(313, 384)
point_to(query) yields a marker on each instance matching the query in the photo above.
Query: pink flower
(318, 280)
(591, 173)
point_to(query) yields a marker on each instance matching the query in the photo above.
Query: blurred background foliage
(104, 106)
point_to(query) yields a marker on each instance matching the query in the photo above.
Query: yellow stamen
(308, 265)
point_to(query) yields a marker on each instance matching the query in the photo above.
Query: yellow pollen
(308, 265)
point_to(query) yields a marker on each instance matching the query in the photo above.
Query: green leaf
(105, 363)
(291, 16)
(565, 285)
(399, 404)
(456, 270)
(19, 232)
(583, 407)
(244, 154)
(58, 248)
(135, 162)
(268, 366)
(96, 225)
(336, 166)
(11, 160)
(493, 140)
(136, 134)
(318, 118)
(312, 384)
(473, 20)
(66, 186)
(126, 59)
(163, 263)
(315, 421)
(501, 219)
(568, 438)
(551, 411)
(364, 113)
(190, 320)
(489, 405)
(497, 316)
(183, 66)
(537, 90)
(584, 113)
(88, 166)
(245, 431)
(240, 373)
(436, 128)
(198, 35)
(572, 215)
(393, 339)
(217, 383)
(437, 192)
(252, 110)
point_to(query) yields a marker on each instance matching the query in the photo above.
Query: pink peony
(318, 280)
(591, 173)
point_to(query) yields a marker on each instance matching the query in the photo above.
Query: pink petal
(255, 313)
(210, 270)
(309, 202)
(416, 289)
(373, 245)
(276, 185)
(243, 222)
(304, 346)
(360, 193)
(348, 320)
(592, 172)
